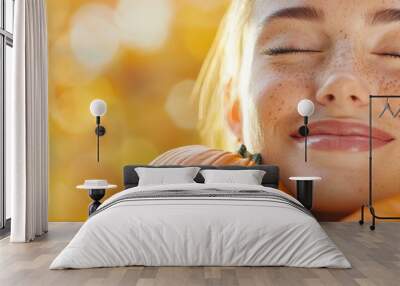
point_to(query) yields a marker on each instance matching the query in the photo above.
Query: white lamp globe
(98, 107)
(305, 107)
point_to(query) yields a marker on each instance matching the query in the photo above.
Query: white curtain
(26, 124)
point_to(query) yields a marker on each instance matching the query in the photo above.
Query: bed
(198, 224)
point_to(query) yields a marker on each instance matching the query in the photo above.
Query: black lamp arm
(305, 120)
(304, 131)
(100, 131)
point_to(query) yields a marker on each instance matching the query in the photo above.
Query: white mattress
(200, 231)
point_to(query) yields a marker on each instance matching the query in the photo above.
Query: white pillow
(248, 177)
(162, 176)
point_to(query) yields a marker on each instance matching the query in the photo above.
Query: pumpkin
(203, 155)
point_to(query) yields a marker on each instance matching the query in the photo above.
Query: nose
(343, 91)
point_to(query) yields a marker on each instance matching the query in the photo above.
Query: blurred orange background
(141, 57)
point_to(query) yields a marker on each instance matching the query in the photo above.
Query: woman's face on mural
(334, 53)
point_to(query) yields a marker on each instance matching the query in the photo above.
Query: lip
(334, 135)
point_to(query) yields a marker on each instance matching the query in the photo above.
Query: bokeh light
(180, 107)
(93, 37)
(65, 70)
(144, 24)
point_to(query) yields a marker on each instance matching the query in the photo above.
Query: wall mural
(144, 58)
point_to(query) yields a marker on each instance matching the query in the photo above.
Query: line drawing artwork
(388, 107)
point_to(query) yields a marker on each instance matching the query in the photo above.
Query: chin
(337, 160)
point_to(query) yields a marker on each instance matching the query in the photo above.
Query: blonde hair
(220, 66)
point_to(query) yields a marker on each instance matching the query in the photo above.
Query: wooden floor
(375, 257)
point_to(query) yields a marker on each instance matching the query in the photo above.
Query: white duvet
(200, 231)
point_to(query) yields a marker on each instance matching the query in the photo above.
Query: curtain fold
(27, 124)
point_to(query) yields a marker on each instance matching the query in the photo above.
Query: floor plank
(375, 257)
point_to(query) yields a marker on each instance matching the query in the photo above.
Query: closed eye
(281, 50)
(392, 55)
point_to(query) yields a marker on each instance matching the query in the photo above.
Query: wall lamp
(305, 108)
(98, 108)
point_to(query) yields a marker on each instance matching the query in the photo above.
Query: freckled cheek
(276, 96)
(389, 85)
(381, 79)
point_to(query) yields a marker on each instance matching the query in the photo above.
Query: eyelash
(283, 50)
(392, 55)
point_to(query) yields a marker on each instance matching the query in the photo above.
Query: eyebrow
(298, 13)
(385, 16)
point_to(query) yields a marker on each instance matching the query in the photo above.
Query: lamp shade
(305, 107)
(98, 107)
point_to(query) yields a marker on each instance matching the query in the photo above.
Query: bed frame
(270, 179)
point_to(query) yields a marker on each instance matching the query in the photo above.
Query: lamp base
(304, 131)
(100, 130)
